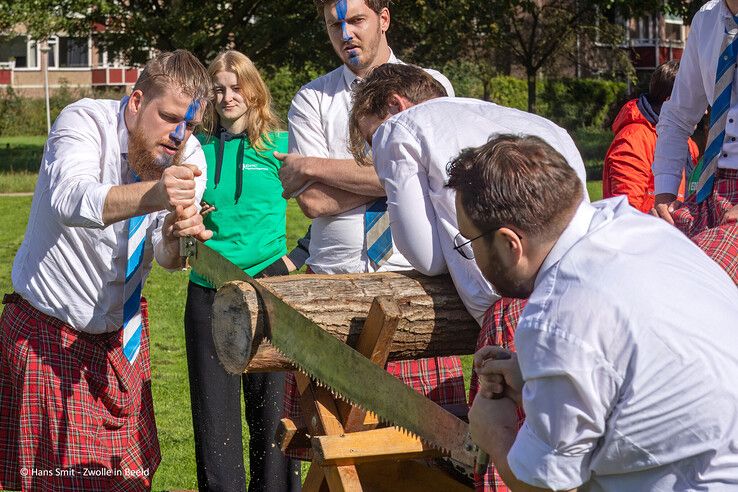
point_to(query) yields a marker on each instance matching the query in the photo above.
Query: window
(20, 50)
(673, 26)
(73, 52)
(68, 52)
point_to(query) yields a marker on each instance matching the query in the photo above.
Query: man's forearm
(125, 201)
(498, 446)
(346, 174)
(321, 200)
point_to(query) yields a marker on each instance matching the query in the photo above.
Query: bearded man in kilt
(118, 184)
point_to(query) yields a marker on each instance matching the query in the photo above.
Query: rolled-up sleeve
(72, 160)
(679, 117)
(396, 155)
(306, 134)
(568, 393)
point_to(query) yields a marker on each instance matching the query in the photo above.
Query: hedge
(571, 103)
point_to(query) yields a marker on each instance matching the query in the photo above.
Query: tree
(530, 33)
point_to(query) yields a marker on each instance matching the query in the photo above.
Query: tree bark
(433, 320)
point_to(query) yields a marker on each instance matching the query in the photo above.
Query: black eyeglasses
(464, 246)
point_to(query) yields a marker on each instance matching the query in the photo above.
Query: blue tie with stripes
(724, 100)
(377, 232)
(132, 323)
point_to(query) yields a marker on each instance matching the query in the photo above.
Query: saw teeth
(337, 394)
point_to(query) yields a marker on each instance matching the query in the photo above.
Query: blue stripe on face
(341, 10)
(179, 133)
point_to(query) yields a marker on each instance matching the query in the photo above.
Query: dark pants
(216, 413)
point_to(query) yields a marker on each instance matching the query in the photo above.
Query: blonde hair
(261, 119)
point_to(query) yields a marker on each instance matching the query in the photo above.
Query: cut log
(433, 320)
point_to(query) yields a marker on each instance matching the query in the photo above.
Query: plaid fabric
(721, 244)
(439, 378)
(498, 328)
(75, 415)
(694, 218)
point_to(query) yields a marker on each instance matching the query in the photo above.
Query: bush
(570, 103)
(21, 116)
(284, 83)
(10, 110)
(579, 103)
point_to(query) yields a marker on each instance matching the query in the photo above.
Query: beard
(505, 284)
(144, 161)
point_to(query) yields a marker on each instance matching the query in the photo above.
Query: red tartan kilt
(498, 328)
(75, 415)
(703, 222)
(693, 218)
(721, 244)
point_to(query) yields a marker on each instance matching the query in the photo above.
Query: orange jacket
(627, 169)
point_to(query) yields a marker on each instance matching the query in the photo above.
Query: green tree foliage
(487, 36)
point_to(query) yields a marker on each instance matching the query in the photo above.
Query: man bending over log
(414, 132)
(118, 185)
(624, 387)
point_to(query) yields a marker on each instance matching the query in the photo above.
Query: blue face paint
(179, 133)
(341, 11)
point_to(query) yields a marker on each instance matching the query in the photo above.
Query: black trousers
(216, 413)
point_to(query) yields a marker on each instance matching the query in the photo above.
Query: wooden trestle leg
(349, 453)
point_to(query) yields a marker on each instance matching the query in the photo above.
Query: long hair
(261, 119)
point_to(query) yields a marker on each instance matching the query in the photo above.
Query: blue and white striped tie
(724, 100)
(132, 323)
(378, 234)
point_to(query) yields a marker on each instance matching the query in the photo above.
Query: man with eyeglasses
(624, 387)
(414, 132)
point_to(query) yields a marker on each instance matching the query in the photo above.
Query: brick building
(72, 61)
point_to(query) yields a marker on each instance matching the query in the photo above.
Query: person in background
(350, 229)
(414, 131)
(247, 214)
(627, 169)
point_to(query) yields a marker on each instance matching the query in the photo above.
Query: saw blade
(344, 371)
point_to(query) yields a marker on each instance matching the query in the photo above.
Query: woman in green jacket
(247, 214)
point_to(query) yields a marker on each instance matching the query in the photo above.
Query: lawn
(166, 294)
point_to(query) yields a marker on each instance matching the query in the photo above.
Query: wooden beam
(374, 343)
(388, 443)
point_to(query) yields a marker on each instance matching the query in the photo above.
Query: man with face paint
(343, 198)
(118, 186)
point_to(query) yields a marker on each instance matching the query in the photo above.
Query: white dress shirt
(628, 351)
(411, 151)
(318, 124)
(70, 265)
(694, 90)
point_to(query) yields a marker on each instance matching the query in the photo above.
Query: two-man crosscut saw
(347, 373)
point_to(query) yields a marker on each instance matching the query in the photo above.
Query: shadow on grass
(20, 157)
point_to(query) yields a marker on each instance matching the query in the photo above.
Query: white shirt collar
(122, 129)
(577, 229)
(349, 76)
(724, 10)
